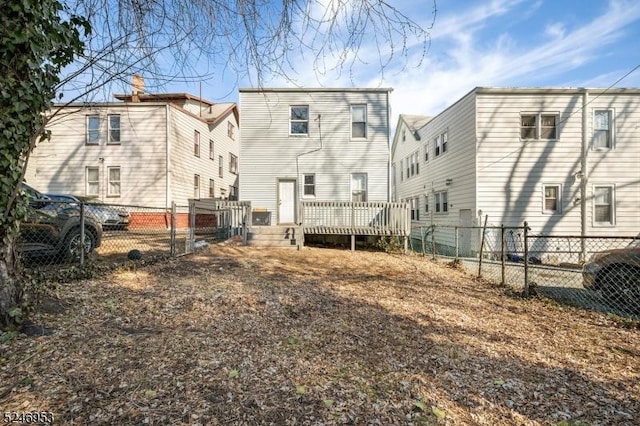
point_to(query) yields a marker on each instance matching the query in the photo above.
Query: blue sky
(560, 43)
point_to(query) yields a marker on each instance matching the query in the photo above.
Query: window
(211, 155)
(417, 161)
(436, 143)
(358, 121)
(441, 144)
(231, 130)
(413, 165)
(114, 128)
(551, 199)
(233, 163)
(426, 204)
(113, 190)
(444, 138)
(233, 193)
(415, 208)
(93, 182)
(404, 135)
(220, 166)
(441, 203)
(603, 205)
(401, 170)
(309, 189)
(408, 160)
(93, 129)
(602, 129)
(393, 175)
(196, 143)
(538, 126)
(212, 188)
(426, 152)
(196, 186)
(299, 120)
(358, 187)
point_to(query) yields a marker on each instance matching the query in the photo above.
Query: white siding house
(146, 150)
(313, 144)
(567, 161)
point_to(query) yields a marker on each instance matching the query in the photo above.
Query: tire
(70, 248)
(621, 287)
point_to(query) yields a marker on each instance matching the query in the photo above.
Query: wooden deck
(355, 218)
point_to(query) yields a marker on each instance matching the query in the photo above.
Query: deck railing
(355, 218)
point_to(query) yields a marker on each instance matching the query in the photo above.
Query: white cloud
(555, 30)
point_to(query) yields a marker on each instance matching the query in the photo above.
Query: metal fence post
(502, 254)
(173, 230)
(422, 234)
(456, 239)
(526, 260)
(82, 234)
(433, 241)
(484, 228)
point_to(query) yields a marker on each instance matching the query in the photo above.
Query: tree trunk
(10, 283)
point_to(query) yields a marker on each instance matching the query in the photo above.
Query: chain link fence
(72, 233)
(597, 273)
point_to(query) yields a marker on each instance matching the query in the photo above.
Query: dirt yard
(237, 335)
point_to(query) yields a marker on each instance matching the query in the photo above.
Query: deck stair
(276, 236)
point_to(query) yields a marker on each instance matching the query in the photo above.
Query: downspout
(167, 171)
(389, 183)
(584, 176)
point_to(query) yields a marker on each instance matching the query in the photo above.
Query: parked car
(617, 274)
(53, 228)
(111, 218)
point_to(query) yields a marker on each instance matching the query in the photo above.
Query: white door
(286, 201)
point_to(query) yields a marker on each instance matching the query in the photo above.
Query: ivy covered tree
(38, 38)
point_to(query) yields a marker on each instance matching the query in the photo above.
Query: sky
(514, 43)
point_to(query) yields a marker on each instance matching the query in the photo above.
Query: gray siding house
(566, 160)
(144, 150)
(312, 144)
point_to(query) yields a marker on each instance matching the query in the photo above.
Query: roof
(162, 97)
(314, 89)
(557, 90)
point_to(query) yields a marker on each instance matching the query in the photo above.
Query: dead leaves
(249, 336)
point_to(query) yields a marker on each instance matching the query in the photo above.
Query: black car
(53, 228)
(110, 217)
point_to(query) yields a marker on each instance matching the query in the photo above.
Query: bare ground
(238, 335)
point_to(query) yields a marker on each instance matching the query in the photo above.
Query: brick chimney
(137, 87)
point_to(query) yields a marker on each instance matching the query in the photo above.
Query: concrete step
(275, 236)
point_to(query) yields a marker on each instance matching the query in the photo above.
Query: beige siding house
(567, 161)
(313, 144)
(144, 150)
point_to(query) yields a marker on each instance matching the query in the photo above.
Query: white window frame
(295, 121)
(408, 160)
(212, 188)
(558, 209)
(196, 143)
(211, 150)
(538, 127)
(355, 122)
(612, 208)
(416, 160)
(426, 153)
(233, 163)
(89, 140)
(426, 203)
(401, 170)
(415, 208)
(441, 202)
(436, 144)
(220, 166)
(233, 193)
(196, 186)
(111, 129)
(231, 130)
(89, 183)
(111, 182)
(306, 185)
(444, 138)
(610, 131)
(366, 185)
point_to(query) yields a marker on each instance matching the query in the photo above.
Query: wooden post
(456, 239)
(173, 229)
